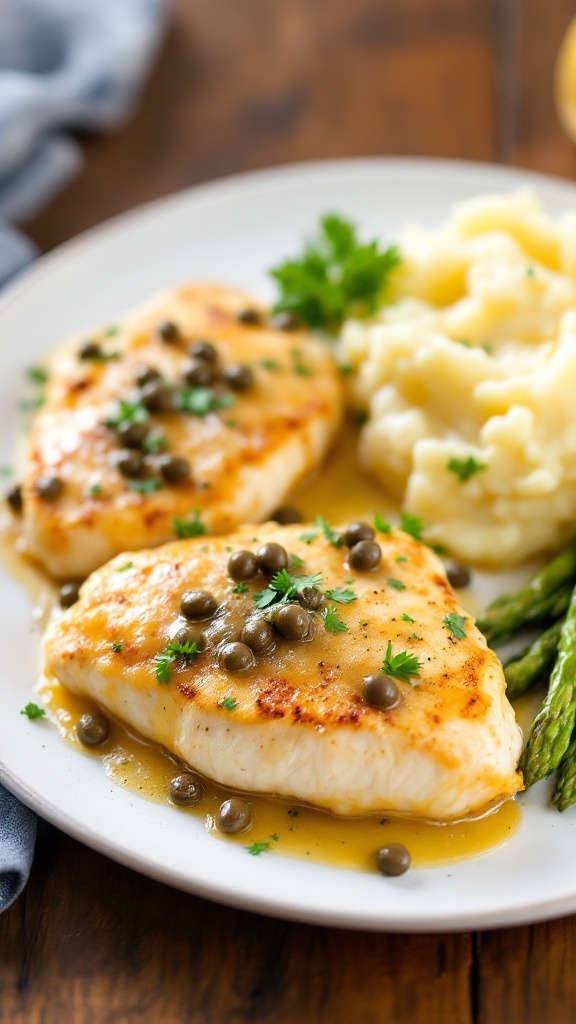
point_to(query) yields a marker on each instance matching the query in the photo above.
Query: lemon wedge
(565, 81)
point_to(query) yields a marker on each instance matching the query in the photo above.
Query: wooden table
(240, 85)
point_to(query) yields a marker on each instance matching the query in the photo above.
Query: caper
(234, 815)
(242, 565)
(311, 598)
(284, 321)
(157, 396)
(189, 633)
(49, 487)
(393, 859)
(89, 350)
(168, 331)
(239, 378)
(380, 691)
(69, 594)
(14, 498)
(198, 373)
(258, 635)
(292, 621)
(235, 657)
(93, 729)
(286, 514)
(145, 374)
(186, 790)
(174, 468)
(132, 434)
(205, 350)
(129, 462)
(365, 555)
(249, 315)
(356, 532)
(272, 558)
(198, 604)
(458, 575)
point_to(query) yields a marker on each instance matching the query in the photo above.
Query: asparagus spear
(552, 728)
(526, 669)
(507, 615)
(564, 794)
(508, 622)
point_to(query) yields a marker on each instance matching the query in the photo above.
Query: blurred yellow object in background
(565, 81)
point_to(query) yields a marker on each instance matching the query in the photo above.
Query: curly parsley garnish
(336, 276)
(32, 711)
(402, 665)
(174, 651)
(465, 468)
(455, 624)
(190, 527)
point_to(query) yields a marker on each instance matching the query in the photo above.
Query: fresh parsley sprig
(465, 468)
(402, 665)
(335, 276)
(332, 621)
(341, 595)
(283, 587)
(455, 624)
(174, 651)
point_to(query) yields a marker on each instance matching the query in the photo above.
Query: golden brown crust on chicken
(243, 457)
(299, 724)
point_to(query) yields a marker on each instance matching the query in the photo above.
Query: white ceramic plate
(233, 231)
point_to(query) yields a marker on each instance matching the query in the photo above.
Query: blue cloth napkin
(64, 65)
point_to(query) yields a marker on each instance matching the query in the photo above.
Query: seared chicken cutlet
(320, 665)
(193, 408)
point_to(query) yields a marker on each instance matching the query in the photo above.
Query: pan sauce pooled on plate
(193, 415)
(329, 666)
(469, 377)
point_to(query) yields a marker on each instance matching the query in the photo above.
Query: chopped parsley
(32, 711)
(335, 276)
(189, 527)
(270, 364)
(530, 272)
(154, 442)
(174, 651)
(32, 404)
(463, 341)
(295, 561)
(342, 595)
(98, 355)
(401, 665)
(128, 412)
(201, 401)
(96, 490)
(240, 588)
(37, 375)
(380, 524)
(332, 621)
(149, 486)
(345, 369)
(455, 624)
(297, 365)
(414, 636)
(257, 848)
(308, 537)
(411, 525)
(117, 646)
(400, 558)
(283, 586)
(124, 568)
(229, 703)
(110, 331)
(396, 584)
(465, 468)
(332, 536)
(407, 618)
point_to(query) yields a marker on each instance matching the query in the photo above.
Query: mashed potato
(469, 379)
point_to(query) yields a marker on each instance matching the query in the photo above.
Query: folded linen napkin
(64, 65)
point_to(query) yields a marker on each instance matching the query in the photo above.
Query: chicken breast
(296, 720)
(251, 412)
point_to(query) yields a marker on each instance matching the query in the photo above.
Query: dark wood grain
(239, 86)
